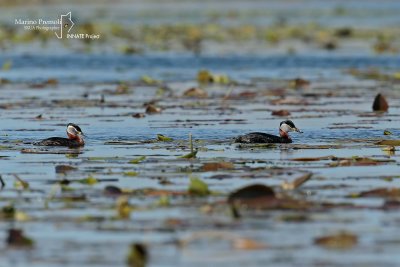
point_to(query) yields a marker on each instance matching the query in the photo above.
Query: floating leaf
(215, 166)
(7, 212)
(281, 112)
(2, 183)
(389, 142)
(90, 180)
(164, 201)
(137, 160)
(64, 168)
(342, 240)
(131, 173)
(386, 132)
(198, 187)
(381, 192)
(139, 115)
(313, 159)
(205, 77)
(21, 216)
(148, 80)
(251, 194)
(389, 148)
(137, 256)
(195, 92)
(123, 208)
(152, 109)
(299, 83)
(191, 155)
(16, 238)
(20, 183)
(112, 190)
(164, 138)
(247, 244)
(259, 196)
(297, 182)
(7, 65)
(380, 103)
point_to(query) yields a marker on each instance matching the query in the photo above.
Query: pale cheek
(286, 128)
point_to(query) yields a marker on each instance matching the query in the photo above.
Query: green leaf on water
(137, 160)
(90, 180)
(198, 187)
(137, 255)
(7, 65)
(164, 138)
(131, 173)
(191, 155)
(163, 201)
(19, 183)
(148, 80)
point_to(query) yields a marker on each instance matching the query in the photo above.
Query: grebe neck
(284, 134)
(77, 138)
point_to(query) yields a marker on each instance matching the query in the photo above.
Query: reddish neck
(284, 134)
(77, 138)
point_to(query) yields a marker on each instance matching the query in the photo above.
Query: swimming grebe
(284, 128)
(75, 138)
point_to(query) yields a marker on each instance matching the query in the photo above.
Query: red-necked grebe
(284, 128)
(75, 138)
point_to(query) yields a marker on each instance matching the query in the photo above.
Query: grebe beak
(297, 130)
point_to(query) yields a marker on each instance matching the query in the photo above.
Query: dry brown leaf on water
(260, 196)
(296, 182)
(196, 93)
(16, 238)
(341, 240)
(242, 95)
(111, 190)
(301, 146)
(64, 168)
(380, 103)
(247, 244)
(389, 142)
(289, 101)
(381, 192)
(152, 109)
(299, 83)
(281, 112)
(215, 166)
(237, 242)
(359, 161)
(138, 115)
(314, 159)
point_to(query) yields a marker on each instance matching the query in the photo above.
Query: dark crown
(288, 122)
(75, 126)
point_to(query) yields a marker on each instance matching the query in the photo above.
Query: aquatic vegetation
(216, 73)
(137, 160)
(137, 255)
(206, 77)
(195, 92)
(341, 240)
(17, 239)
(163, 138)
(380, 103)
(197, 187)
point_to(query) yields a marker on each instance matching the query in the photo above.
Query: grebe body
(75, 138)
(284, 128)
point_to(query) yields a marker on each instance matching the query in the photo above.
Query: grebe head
(73, 130)
(287, 126)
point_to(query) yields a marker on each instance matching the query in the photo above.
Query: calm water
(65, 236)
